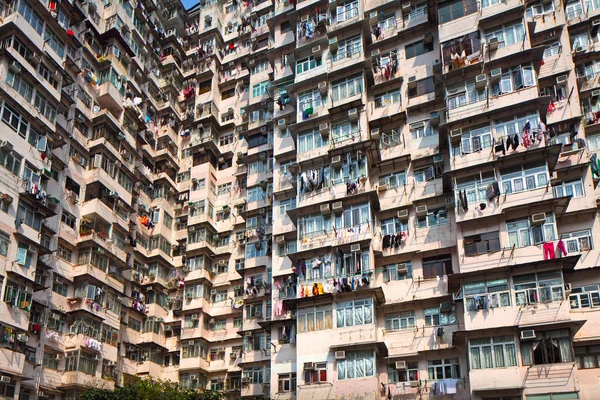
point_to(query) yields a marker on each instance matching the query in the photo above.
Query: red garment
(548, 251)
(526, 140)
(231, 46)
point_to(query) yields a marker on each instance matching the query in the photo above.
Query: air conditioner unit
(373, 17)
(438, 158)
(456, 132)
(578, 49)
(195, 316)
(280, 240)
(437, 65)
(562, 79)
(537, 219)
(282, 123)
(322, 87)
(445, 307)
(406, 6)
(337, 206)
(191, 228)
(428, 38)
(15, 67)
(434, 118)
(495, 74)
(336, 161)
(355, 248)
(6, 198)
(5, 379)
(304, 18)
(382, 186)
(421, 210)
(98, 357)
(596, 22)
(353, 114)
(401, 268)
(193, 378)
(528, 334)
(6, 146)
(493, 43)
(308, 366)
(324, 208)
(324, 129)
(333, 44)
(31, 248)
(403, 214)
(262, 211)
(316, 51)
(233, 356)
(449, 201)
(595, 93)
(480, 81)
(375, 134)
(340, 355)
(35, 60)
(400, 364)
(375, 53)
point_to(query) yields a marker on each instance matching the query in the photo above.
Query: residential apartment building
(312, 200)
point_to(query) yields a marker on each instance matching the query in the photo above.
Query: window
(285, 205)
(387, 98)
(18, 83)
(576, 242)
(31, 16)
(540, 7)
(309, 101)
(540, 287)
(55, 43)
(575, 9)
(314, 319)
(464, 93)
(286, 383)
(397, 272)
(355, 313)
(434, 217)
(28, 216)
(513, 79)
(437, 266)
(482, 244)
(346, 11)
(418, 48)
(50, 360)
(569, 188)
(522, 233)
(347, 48)
(549, 347)
(400, 320)
(485, 295)
(524, 177)
(68, 219)
(489, 3)
(408, 374)
(64, 252)
(260, 89)
(44, 107)
(254, 374)
(317, 374)
(473, 140)
(15, 120)
(311, 140)
(393, 180)
(422, 87)
(357, 364)
(435, 317)
(443, 369)
(346, 88)
(495, 352)
(552, 50)
(4, 243)
(587, 356)
(585, 297)
(506, 34)
(306, 64)
(344, 130)
(457, 9)
(19, 296)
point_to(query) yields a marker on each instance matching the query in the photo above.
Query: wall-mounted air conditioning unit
(355, 248)
(340, 355)
(353, 114)
(403, 214)
(421, 210)
(337, 206)
(528, 334)
(400, 364)
(336, 161)
(324, 208)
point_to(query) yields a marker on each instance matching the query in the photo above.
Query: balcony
(458, 21)
(320, 31)
(85, 304)
(194, 363)
(257, 262)
(483, 106)
(332, 238)
(97, 273)
(108, 96)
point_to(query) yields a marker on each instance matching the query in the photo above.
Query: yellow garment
(320, 287)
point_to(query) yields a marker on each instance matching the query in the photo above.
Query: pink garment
(561, 247)
(548, 251)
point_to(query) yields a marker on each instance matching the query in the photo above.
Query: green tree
(150, 389)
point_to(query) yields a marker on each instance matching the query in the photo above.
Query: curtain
(511, 355)
(475, 359)
(360, 368)
(369, 367)
(499, 356)
(328, 324)
(368, 314)
(341, 367)
(349, 319)
(527, 352)
(350, 369)
(564, 346)
(487, 357)
(358, 315)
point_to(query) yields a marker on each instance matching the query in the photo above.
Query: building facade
(301, 200)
